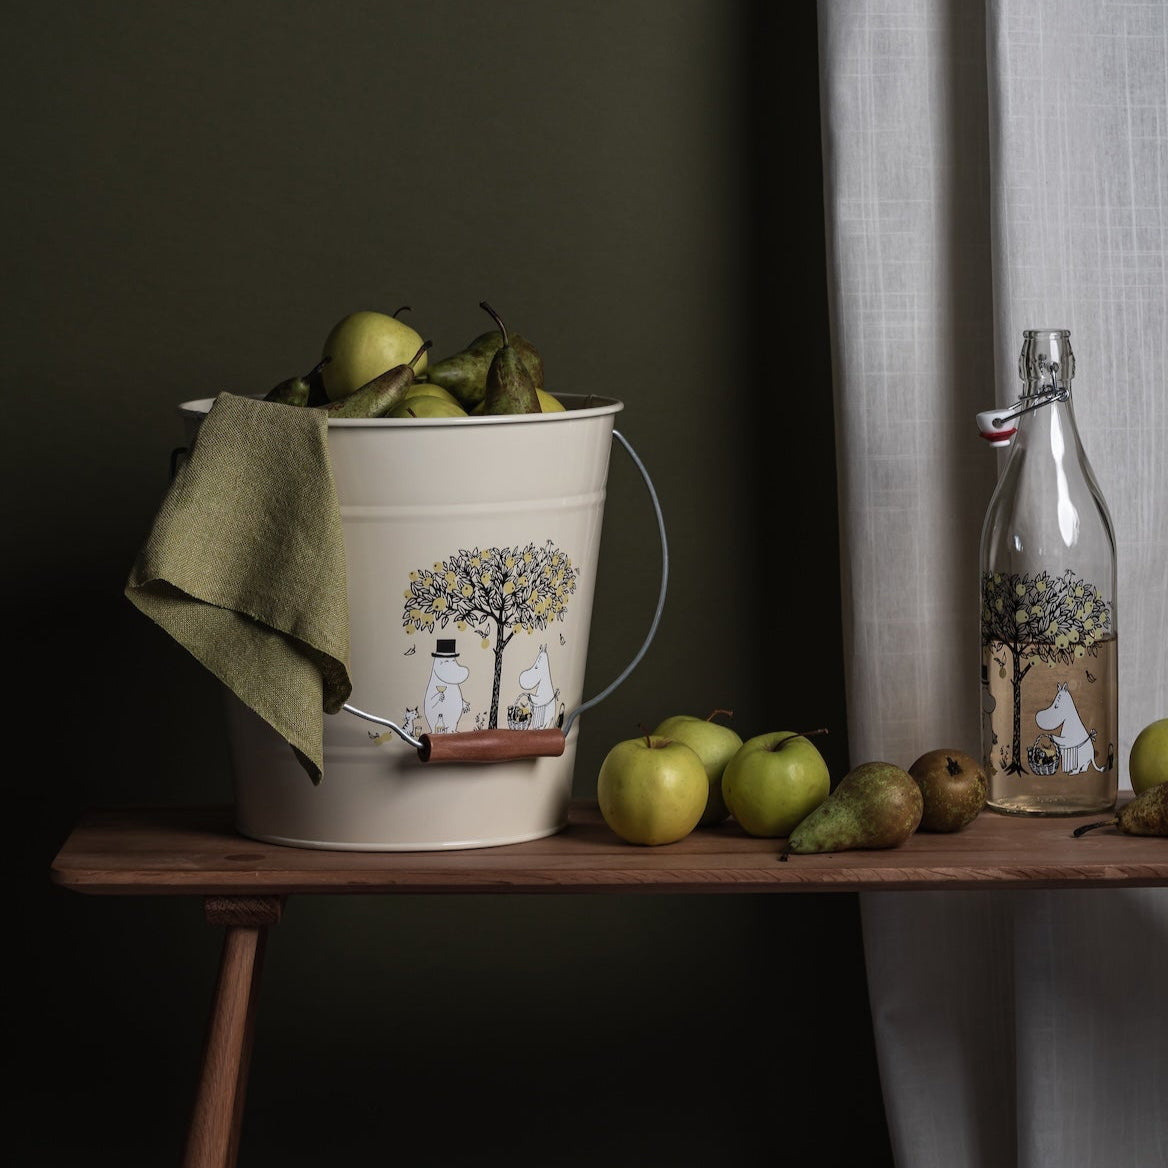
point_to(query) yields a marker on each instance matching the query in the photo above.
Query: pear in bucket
(295, 391)
(424, 406)
(377, 397)
(365, 344)
(464, 373)
(510, 387)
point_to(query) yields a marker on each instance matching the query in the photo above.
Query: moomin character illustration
(1076, 744)
(496, 593)
(537, 707)
(444, 704)
(411, 724)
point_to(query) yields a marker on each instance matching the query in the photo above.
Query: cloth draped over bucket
(244, 566)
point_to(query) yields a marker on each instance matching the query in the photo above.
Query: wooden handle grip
(491, 745)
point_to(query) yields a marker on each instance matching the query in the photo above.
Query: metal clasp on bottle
(997, 427)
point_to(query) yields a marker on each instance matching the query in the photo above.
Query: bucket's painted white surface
(430, 507)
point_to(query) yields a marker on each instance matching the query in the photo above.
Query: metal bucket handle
(506, 745)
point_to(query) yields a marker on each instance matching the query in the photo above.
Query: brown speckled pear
(1146, 814)
(464, 373)
(510, 387)
(876, 805)
(295, 391)
(377, 397)
(953, 786)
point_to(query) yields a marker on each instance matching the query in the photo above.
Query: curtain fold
(990, 168)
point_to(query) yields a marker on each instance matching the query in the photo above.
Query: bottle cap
(997, 427)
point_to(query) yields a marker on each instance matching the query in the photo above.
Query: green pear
(547, 403)
(510, 387)
(377, 397)
(425, 389)
(425, 406)
(364, 344)
(876, 805)
(464, 373)
(1146, 814)
(295, 391)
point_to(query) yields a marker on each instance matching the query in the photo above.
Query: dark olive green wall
(194, 194)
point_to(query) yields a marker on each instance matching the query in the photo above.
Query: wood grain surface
(187, 851)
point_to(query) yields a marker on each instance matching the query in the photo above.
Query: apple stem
(495, 316)
(650, 742)
(801, 734)
(711, 716)
(1091, 826)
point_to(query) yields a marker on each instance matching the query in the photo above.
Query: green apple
(652, 790)
(429, 389)
(1147, 764)
(425, 406)
(364, 344)
(547, 403)
(774, 782)
(715, 744)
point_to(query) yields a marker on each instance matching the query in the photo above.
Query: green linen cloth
(244, 566)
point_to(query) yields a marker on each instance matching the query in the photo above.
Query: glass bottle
(1050, 710)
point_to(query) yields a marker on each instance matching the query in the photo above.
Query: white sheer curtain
(990, 168)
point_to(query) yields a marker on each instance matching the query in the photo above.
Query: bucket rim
(198, 408)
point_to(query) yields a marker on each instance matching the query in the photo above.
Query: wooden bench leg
(213, 1139)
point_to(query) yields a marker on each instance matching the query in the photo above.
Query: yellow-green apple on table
(652, 790)
(1147, 764)
(774, 782)
(364, 344)
(715, 744)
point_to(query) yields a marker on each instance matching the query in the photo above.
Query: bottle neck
(1049, 424)
(1046, 360)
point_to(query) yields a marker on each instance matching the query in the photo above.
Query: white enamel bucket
(471, 548)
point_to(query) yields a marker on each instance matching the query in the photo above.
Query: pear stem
(317, 368)
(495, 316)
(425, 346)
(1091, 826)
(404, 308)
(713, 713)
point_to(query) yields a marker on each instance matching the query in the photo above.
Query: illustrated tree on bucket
(512, 589)
(1041, 618)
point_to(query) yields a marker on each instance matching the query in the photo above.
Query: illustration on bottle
(1048, 631)
(1060, 628)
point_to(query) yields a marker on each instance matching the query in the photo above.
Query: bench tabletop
(197, 851)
